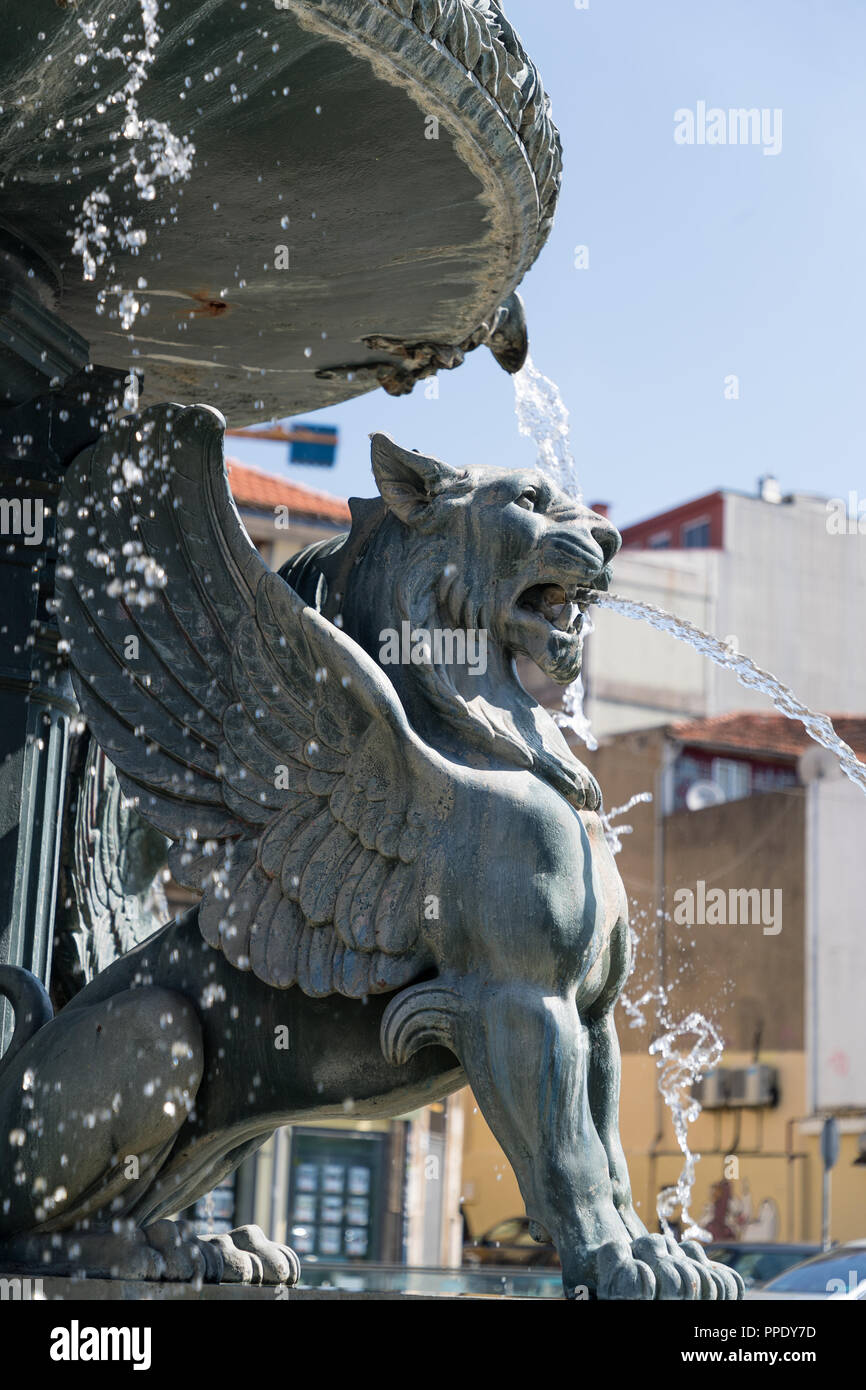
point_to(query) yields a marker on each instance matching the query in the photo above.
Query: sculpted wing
(117, 895)
(246, 727)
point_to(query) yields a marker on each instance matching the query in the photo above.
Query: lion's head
(493, 550)
(520, 557)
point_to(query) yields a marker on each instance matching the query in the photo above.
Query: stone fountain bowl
(371, 181)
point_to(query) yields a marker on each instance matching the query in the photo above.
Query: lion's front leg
(526, 1054)
(605, 1068)
(604, 1088)
(679, 1271)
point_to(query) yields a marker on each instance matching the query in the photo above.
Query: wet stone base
(52, 1289)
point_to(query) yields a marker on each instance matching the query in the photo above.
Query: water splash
(153, 152)
(543, 415)
(613, 833)
(680, 1067)
(750, 675)
(572, 715)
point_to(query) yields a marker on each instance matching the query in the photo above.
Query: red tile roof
(743, 731)
(262, 491)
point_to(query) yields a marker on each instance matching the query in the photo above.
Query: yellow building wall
(489, 1189)
(770, 1154)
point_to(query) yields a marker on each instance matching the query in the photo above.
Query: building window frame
(688, 528)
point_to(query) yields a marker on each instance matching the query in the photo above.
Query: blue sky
(704, 261)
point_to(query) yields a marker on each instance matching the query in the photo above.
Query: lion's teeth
(567, 615)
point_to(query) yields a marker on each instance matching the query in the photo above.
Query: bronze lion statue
(402, 867)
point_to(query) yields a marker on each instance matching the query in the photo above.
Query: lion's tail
(30, 1004)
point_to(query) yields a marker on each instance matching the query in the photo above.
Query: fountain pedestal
(52, 404)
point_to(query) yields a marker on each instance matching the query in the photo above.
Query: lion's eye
(527, 499)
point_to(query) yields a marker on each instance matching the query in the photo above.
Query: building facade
(775, 576)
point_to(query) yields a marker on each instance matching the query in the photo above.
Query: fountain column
(51, 406)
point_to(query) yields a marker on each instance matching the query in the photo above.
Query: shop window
(336, 1196)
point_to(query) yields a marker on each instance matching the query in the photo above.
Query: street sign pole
(829, 1155)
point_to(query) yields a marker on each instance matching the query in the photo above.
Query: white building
(769, 572)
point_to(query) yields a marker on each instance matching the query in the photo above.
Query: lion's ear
(409, 482)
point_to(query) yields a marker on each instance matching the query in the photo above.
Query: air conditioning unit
(735, 1087)
(711, 1090)
(757, 1086)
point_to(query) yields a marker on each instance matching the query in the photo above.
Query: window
(337, 1190)
(767, 778)
(660, 541)
(689, 768)
(734, 777)
(695, 535)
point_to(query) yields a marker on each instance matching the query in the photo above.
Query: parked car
(509, 1243)
(839, 1273)
(758, 1261)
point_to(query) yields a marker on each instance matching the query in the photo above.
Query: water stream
(818, 726)
(543, 415)
(613, 833)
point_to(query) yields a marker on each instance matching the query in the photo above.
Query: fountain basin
(332, 236)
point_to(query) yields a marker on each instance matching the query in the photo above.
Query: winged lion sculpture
(401, 867)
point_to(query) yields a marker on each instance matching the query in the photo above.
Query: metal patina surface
(402, 866)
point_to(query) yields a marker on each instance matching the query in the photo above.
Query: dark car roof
(763, 1245)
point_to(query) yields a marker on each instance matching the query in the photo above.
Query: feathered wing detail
(115, 898)
(249, 729)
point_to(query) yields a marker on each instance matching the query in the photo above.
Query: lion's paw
(184, 1259)
(683, 1271)
(243, 1256)
(729, 1284)
(622, 1276)
(250, 1258)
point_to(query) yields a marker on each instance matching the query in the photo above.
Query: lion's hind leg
(92, 1104)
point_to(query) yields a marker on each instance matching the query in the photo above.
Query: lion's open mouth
(561, 608)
